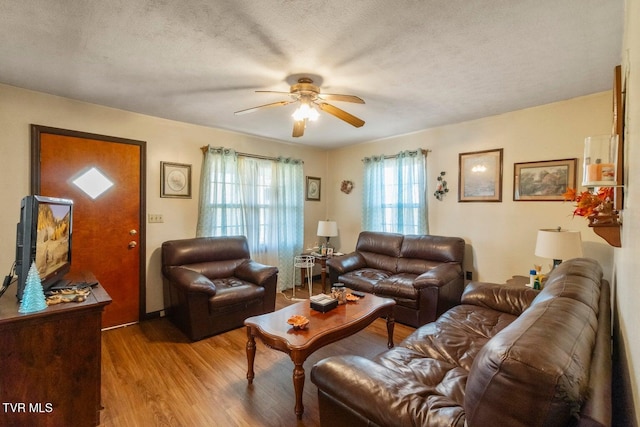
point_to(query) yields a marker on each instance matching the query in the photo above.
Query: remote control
(358, 294)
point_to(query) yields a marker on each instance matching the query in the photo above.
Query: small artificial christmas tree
(33, 296)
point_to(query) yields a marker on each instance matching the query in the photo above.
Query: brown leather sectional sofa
(507, 356)
(422, 273)
(213, 284)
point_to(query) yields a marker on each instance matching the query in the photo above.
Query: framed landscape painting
(543, 181)
(480, 176)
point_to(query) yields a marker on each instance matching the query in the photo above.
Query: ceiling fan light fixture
(305, 112)
(311, 102)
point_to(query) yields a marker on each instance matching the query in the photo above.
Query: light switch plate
(156, 218)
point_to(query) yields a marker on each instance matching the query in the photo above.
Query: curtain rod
(393, 156)
(205, 148)
(253, 156)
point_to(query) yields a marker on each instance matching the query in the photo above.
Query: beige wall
(627, 286)
(166, 141)
(502, 235)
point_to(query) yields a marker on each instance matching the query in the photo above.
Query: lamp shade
(327, 228)
(558, 244)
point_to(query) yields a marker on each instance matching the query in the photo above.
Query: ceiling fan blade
(341, 114)
(298, 128)
(339, 97)
(273, 104)
(274, 91)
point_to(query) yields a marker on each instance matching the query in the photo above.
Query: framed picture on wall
(480, 176)
(175, 180)
(313, 188)
(546, 180)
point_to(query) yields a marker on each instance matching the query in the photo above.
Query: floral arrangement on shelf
(597, 207)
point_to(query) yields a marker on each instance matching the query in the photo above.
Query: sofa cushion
(579, 280)
(390, 399)
(388, 244)
(398, 285)
(508, 299)
(415, 266)
(189, 280)
(551, 381)
(204, 249)
(364, 279)
(231, 291)
(437, 249)
(216, 269)
(457, 335)
(380, 250)
(380, 262)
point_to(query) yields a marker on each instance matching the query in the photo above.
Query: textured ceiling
(416, 63)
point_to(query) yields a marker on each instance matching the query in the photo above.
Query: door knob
(133, 232)
(132, 244)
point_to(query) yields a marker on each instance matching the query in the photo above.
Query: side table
(523, 281)
(518, 281)
(322, 261)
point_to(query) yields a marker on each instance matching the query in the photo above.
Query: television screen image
(52, 238)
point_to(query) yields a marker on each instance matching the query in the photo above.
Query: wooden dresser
(51, 363)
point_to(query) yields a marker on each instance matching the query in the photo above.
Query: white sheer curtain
(262, 199)
(373, 202)
(290, 217)
(221, 204)
(394, 197)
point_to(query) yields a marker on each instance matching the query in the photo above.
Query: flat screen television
(44, 237)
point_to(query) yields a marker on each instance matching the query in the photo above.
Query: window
(262, 199)
(395, 193)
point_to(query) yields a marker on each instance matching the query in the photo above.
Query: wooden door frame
(38, 130)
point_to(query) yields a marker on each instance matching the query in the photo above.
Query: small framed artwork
(313, 188)
(546, 180)
(480, 176)
(175, 180)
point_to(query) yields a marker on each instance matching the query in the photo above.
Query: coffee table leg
(298, 386)
(251, 354)
(390, 325)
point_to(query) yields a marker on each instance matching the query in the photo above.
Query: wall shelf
(609, 232)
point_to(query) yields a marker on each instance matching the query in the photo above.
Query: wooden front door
(108, 228)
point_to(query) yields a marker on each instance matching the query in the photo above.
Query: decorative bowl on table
(298, 322)
(351, 297)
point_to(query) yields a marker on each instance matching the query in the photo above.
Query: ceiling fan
(309, 97)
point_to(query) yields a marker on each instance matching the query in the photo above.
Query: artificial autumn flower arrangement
(596, 207)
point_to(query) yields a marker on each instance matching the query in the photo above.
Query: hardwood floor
(152, 375)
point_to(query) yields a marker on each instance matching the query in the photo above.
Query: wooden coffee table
(323, 329)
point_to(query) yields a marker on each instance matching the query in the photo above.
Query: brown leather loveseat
(507, 356)
(422, 273)
(214, 285)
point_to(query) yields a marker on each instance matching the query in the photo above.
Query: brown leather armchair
(214, 285)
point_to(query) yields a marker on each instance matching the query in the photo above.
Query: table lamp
(558, 244)
(327, 229)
